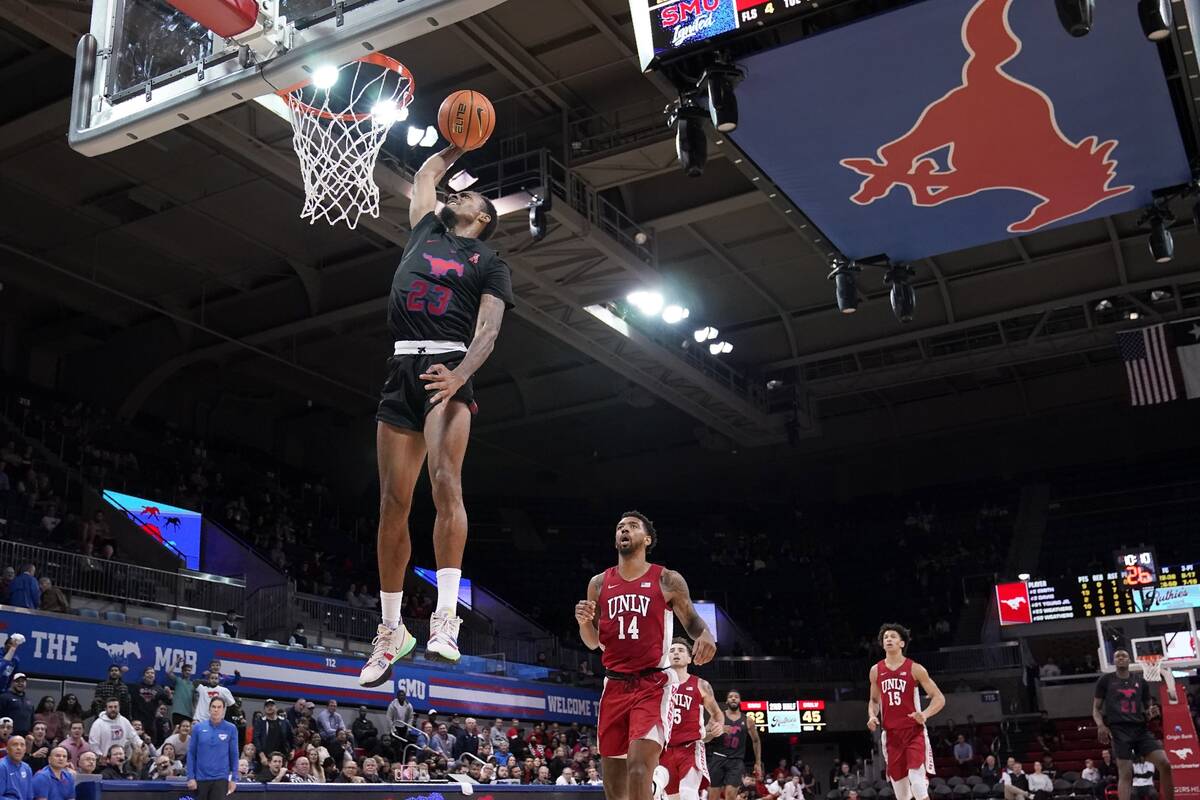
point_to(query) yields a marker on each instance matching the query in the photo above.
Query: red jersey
(686, 702)
(898, 695)
(634, 621)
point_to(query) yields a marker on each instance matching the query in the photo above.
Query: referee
(212, 763)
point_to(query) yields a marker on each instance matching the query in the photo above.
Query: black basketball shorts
(405, 400)
(725, 770)
(1133, 739)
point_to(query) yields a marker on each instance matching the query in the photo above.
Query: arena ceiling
(176, 277)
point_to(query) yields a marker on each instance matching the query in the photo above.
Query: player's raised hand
(703, 649)
(872, 723)
(585, 611)
(917, 717)
(443, 382)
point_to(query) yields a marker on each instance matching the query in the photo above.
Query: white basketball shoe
(390, 644)
(443, 636)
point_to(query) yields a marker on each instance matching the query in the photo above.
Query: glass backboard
(145, 67)
(1171, 634)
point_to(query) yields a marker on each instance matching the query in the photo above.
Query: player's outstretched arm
(937, 700)
(873, 703)
(715, 725)
(424, 196)
(585, 614)
(445, 382)
(675, 590)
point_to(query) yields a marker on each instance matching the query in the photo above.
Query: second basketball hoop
(341, 118)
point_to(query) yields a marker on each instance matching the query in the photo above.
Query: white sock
(389, 604)
(448, 579)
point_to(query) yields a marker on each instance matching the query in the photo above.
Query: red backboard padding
(223, 17)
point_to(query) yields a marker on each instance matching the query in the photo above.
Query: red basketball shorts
(907, 749)
(688, 769)
(634, 709)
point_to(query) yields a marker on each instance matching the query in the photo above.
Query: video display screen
(176, 529)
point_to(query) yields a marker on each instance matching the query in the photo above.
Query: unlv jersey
(686, 725)
(634, 621)
(897, 695)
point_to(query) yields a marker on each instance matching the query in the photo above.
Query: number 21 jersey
(440, 283)
(634, 621)
(897, 695)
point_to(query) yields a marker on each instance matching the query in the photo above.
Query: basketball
(467, 119)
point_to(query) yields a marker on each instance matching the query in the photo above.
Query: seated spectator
(349, 774)
(273, 771)
(1016, 782)
(298, 639)
(160, 725)
(566, 777)
(25, 592)
(88, 762)
(370, 771)
(543, 777)
(75, 744)
(301, 771)
(846, 780)
(963, 752)
(1090, 773)
(37, 747)
(1107, 767)
(329, 721)
(793, 789)
(229, 626)
(1143, 779)
(989, 772)
(244, 774)
(70, 708)
(173, 761)
(1049, 669)
(593, 777)
(112, 729)
(1048, 766)
(364, 732)
(179, 739)
(1047, 734)
(114, 769)
(1041, 785)
(53, 600)
(54, 721)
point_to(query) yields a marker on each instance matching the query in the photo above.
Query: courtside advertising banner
(60, 646)
(1179, 740)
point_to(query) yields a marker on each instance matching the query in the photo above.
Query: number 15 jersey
(634, 621)
(898, 695)
(440, 283)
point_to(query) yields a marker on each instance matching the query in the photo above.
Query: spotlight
(1160, 296)
(1155, 16)
(705, 334)
(1022, 576)
(674, 314)
(1162, 244)
(843, 276)
(691, 145)
(720, 348)
(640, 237)
(461, 181)
(904, 297)
(1104, 305)
(414, 135)
(1075, 15)
(387, 112)
(649, 303)
(720, 79)
(324, 77)
(1132, 315)
(430, 138)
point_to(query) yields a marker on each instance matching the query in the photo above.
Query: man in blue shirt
(16, 778)
(25, 591)
(55, 781)
(212, 763)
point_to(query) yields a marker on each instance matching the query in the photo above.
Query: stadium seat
(207, 631)
(941, 791)
(955, 782)
(974, 780)
(880, 785)
(981, 789)
(336, 650)
(149, 622)
(866, 794)
(997, 790)
(223, 634)
(962, 790)
(114, 616)
(886, 793)
(176, 625)
(270, 641)
(1062, 788)
(1083, 788)
(1071, 776)
(317, 647)
(833, 794)
(89, 613)
(937, 780)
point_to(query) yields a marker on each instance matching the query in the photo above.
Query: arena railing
(127, 583)
(958, 660)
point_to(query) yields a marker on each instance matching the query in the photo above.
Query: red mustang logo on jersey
(998, 133)
(442, 266)
(1127, 693)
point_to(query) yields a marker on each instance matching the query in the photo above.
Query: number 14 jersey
(898, 695)
(634, 621)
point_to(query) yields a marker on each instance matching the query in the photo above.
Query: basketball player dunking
(894, 697)
(627, 614)
(1122, 706)
(683, 758)
(448, 298)
(727, 753)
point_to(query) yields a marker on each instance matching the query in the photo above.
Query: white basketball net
(338, 146)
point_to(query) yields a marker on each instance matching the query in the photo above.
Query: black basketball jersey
(732, 743)
(441, 280)
(1125, 699)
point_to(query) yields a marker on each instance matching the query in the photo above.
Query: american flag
(1147, 365)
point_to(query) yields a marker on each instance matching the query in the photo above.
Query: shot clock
(1138, 567)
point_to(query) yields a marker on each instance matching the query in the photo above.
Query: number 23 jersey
(440, 283)
(635, 621)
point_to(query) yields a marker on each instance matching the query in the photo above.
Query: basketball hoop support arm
(270, 35)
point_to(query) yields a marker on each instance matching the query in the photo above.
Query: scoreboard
(1101, 594)
(664, 27)
(787, 716)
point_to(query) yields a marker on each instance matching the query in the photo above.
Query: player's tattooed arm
(424, 193)
(675, 590)
(715, 725)
(444, 382)
(585, 613)
(937, 700)
(873, 703)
